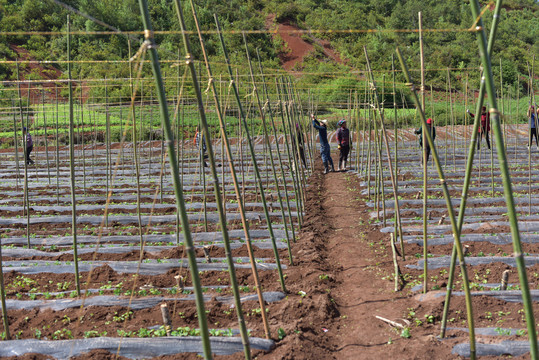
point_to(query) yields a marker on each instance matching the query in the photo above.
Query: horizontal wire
(239, 32)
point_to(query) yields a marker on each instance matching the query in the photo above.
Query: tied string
(253, 93)
(147, 44)
(474, 26)
(210, 81)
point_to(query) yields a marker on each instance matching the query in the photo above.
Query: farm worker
(484, 128)
(343, 139)
(197, 142)
(27, 138)
(532, 116)
(324, 144)
(301, 144)
(432, 130)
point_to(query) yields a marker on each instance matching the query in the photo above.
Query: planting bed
(486, 237)
(344, 240)
(130, 264)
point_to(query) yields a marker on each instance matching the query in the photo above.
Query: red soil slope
(297, 47)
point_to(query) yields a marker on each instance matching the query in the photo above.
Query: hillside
(325, 49)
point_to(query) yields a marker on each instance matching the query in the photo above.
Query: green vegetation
(100, 57)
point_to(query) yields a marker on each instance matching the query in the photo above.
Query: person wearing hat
(343, 139)
(432, 130)
(27, 138)
(484, 129)
(532, 116)
(321, 126)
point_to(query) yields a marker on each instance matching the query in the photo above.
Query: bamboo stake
(226, 145)
(25, 200)
(456, 233)
(395, 262)
(253, 156)
(278, 153)
(517, 116)
(108, 148)
(503, 109)
(299, 174)
(271, 159)
(46, 137)
(189, 248)
(424, 153)
(57, 148)
(363, 135)
(465, 117)
(16, 144)
(135, 151)
(469, 172)
(530, 92)
(386, 142)
(452, 117)
(81, 136)
(72, 162)
(213, 168)
(369, 103)
(506, 179)
(5, 320)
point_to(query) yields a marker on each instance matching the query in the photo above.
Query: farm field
(342, 258)
(166, 192)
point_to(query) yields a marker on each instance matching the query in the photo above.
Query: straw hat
(325, 122)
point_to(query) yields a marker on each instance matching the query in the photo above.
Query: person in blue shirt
(321, 126)
(532, 116)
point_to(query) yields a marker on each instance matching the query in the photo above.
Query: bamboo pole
(189, 247)
(296, 168)
(456, 233)
(396, 139)
(278, 153)
(72, 162)
(369, 155)
(108, 148)
(135, 151)
(213, 168)
(81, 137)
(46, 136)
(57, 148)
(424, 154)
(388, 152)
(363, 135)
(25, 200)
(452, 117)
(506, 179)
(517, 113)
(226, 146)
(271, 159)
(253, 156)
(16, 145)
(5, 320)
(530, 92)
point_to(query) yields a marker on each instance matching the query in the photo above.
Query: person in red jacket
(484, 129)
(343, 138)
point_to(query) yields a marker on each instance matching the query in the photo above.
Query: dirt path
(356, 258)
